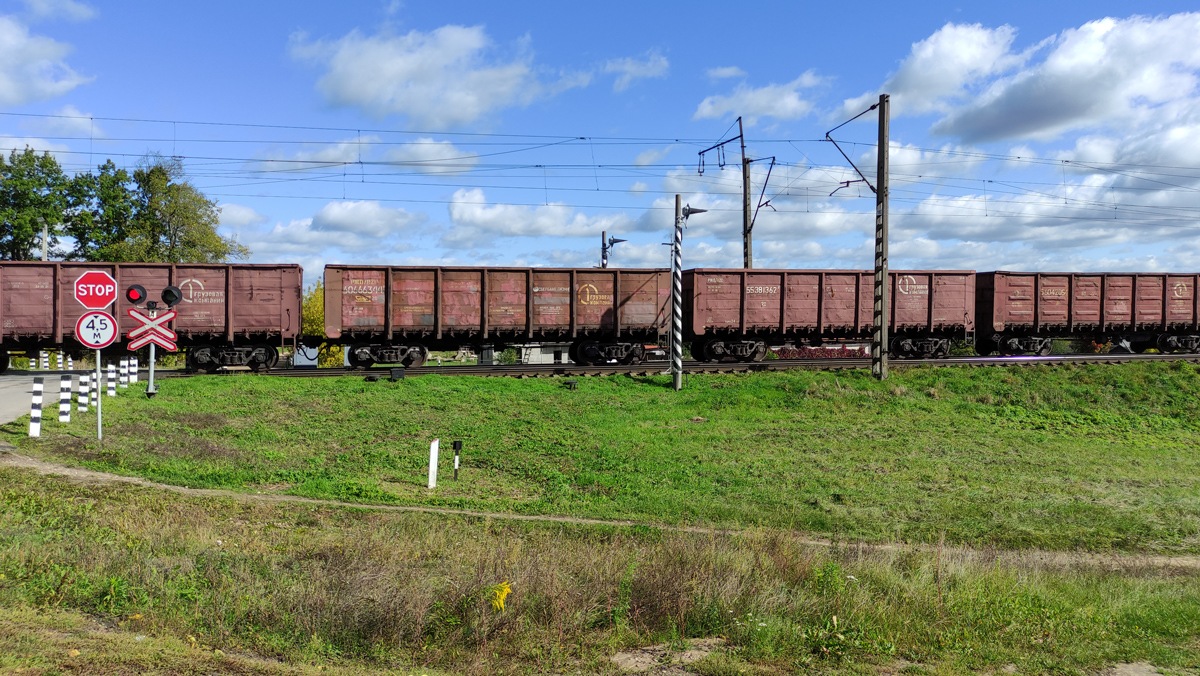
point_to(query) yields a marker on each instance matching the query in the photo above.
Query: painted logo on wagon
(1179, 290)
(908, 285)
(590, 295)
(194, 292)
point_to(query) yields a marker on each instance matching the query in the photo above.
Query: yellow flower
(498, 593)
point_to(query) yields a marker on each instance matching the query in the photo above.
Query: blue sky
(1024, 136)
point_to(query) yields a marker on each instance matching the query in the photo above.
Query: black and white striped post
(70, 363)
(60, 361)
(124, 372)
(35, 409)
(64, 399)
(44, 358)
(112, 379)
(681, 215)
(84, 394)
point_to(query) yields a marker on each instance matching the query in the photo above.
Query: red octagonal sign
(96, 289)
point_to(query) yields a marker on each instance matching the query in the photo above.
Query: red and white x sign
(153, 330)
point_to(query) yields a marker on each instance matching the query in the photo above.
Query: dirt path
(1021, 558)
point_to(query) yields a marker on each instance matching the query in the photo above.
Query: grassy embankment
(1070, 459)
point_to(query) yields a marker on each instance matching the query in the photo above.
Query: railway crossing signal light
(136, 294)
(172, 295)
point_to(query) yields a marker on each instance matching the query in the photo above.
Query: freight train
(243, 315)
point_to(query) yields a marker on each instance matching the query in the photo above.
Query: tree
(32, 199)
(312, 323)
(174, 222)
(100, 211)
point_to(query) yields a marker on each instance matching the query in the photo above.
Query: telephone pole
(747, 245)
(879, 344)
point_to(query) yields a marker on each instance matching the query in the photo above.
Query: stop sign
(96, 289)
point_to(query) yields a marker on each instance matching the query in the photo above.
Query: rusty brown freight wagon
(1023, 312)
(395, 315)
(737, 314)
(229, 315)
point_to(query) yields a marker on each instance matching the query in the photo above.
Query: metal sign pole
(150, 391)
(99, 401)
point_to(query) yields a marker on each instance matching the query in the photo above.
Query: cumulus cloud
(945, 67)
(725, 72)
(1106, 73)
(652, 156)
(240, 216)
(448, 77)
(430, 156)
(778, 101)
(629, 69)
(364, 219)
(475, 222)
(33, 68)
(70, 10)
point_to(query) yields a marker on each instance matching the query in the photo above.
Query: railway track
(659, 367)
(695, 367)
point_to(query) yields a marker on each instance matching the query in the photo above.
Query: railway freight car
(229, 315)
(396, 315)
(737, 314)
(1022, 312)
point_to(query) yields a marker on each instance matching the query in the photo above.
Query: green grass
(121, 579)
(109, 578)
(1095, 457)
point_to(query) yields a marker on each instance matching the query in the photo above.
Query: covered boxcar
(395, 315)
(737, 314)
(1022, 312)
(229, 315)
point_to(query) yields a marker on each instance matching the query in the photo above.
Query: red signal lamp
(136, 294)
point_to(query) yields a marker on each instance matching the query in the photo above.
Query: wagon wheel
(759, 353)
(416, 357)
(262, 358)
(635, 355)
(697, 349)
(201, 359)
(589, 353)
(1046, 349)
(359, 362)
(573, 352)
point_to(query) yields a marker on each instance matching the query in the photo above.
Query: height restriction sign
(96, 329)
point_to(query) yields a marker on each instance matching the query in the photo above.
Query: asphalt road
(16, 393)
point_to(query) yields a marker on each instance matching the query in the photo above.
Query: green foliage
(32, 197)
(312, 322)
(153, 215)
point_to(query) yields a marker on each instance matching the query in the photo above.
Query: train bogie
(1024, 311)
(735, 314)
(396, 314)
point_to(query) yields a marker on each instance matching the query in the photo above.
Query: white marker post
(433, 460)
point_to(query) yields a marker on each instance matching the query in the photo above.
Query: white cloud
(365, 219)
(944, 67)
(1107, 73)
(239, 216)
(32, 68)
(444, 78)
(477, 223)
(629, 69)
(725, 72)
(782, 102)
(430, 156)
(70, 10)
(651, 156)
